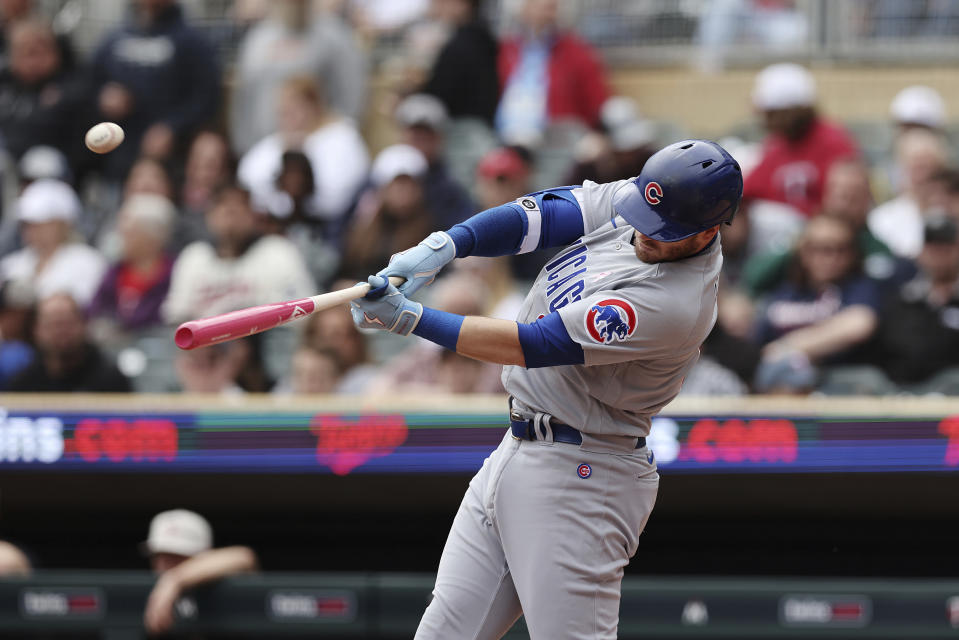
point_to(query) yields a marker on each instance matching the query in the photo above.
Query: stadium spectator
(739, 246)
(10, 12)
(293, 41)
(918, 106)
(228, 369)
(149, 175)
(821, 314)
(918, 336)
(16, 354)
(464, 74)
(41, 102)
(847, 195)
(800, 146)
(390, 216)
(50, 260)
(67, 361)
(547, 73)
(134, 288)
(422, 119)
(237, 268)
(209, 166)
(157, 77)
(13, 561)
(922, 157)
(619, 149)
(181, 553)
(333, 330)
(503, 175)
(332, 144)
(42, 161)
(313, 371)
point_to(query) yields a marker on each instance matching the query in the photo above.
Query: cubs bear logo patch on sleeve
(611, 319)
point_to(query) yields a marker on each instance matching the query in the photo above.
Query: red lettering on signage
(117, 440)
(332, 606)
(738, 441)
(344, 445)
(950, 428)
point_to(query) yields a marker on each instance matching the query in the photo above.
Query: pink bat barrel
(239, 324)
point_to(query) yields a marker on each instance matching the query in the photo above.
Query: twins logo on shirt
(611, 319)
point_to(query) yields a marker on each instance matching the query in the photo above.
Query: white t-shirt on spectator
(204, 284)
(340, 164)
(898, 223)
(74, 268)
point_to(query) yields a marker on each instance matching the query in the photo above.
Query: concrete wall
(709, 105)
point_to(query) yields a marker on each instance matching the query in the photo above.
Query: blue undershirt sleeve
(546, 343)
(509, 229)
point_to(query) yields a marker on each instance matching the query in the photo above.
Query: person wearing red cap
(501, 176)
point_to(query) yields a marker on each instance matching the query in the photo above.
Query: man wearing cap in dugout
(801, 145)
(180, 548)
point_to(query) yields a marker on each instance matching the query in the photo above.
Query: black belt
(525, 430)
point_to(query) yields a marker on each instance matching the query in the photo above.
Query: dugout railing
(109, 606)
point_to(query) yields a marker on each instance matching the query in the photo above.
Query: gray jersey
(640, 325)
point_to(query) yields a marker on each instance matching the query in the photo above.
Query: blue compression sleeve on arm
(494, 232)
(440, 327)
(500, 231)
(546, 343)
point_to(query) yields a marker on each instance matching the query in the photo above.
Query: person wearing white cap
(180, 548)
(913, 107)
(801, 144)
(918, 106)
(390, 213)
(47, 211)
(423, 120)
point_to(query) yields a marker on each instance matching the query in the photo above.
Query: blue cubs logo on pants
(610, 320)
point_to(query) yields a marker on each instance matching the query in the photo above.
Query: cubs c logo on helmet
(610, 320)
(654, 193)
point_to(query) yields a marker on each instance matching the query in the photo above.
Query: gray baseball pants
(534, 537)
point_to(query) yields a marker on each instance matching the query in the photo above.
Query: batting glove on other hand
(420, 264)
(384, 307)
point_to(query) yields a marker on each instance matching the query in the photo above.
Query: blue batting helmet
(685, 188)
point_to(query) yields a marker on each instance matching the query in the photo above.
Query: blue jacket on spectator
(171, 71)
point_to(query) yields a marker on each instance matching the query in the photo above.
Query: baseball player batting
(605, 337)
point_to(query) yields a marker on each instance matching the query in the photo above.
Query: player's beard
(653, 251)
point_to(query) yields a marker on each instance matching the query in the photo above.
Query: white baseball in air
(104, 137)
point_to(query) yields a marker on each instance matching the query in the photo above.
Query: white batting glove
(384, 307)
(420, 264)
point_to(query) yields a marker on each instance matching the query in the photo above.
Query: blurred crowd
(254, 180)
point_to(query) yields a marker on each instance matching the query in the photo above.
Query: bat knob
(184, 337)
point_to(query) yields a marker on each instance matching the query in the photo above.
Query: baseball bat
(246, 322)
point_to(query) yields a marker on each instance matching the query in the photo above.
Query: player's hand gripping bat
(246, 322)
